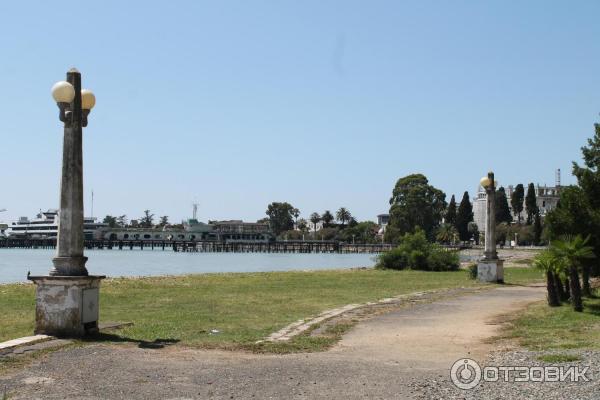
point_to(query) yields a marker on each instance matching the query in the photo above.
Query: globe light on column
(63, 92)
(88, 100)
(485, 182)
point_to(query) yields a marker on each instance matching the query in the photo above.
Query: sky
(323, 104)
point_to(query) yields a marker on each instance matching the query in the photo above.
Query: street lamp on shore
(490, 268)
(67, 299)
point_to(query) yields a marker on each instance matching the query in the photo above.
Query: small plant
(472, 271)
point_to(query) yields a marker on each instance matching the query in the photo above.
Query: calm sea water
(14, 263)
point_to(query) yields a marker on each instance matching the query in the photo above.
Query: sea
(16, 263)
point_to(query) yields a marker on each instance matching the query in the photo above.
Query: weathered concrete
(66, 305)
(490, 270)
(27, 340)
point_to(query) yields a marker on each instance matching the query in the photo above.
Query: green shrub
(472, 271)
(416, 252)
(442, 260)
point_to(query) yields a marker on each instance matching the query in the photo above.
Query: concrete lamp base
(490, 271)
(66, 306)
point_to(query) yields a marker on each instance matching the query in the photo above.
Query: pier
(210, 246)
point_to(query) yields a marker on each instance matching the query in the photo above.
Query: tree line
(417, 204)
(284, 221)
(145, 221)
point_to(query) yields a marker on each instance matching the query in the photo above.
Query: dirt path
(385, 357)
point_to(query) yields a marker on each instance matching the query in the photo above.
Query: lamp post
(67, 299)
(490, 268)
(74, 105)
(489, 184)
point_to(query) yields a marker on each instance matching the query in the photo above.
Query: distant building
(383, 220)
(194, 231)
(546, 198)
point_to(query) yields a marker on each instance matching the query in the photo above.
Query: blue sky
(236, 104)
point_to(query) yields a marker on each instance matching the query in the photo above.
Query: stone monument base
(66, 306)
(490, 271)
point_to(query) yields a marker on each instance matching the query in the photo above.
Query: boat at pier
(45, 226)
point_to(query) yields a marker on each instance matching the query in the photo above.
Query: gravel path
(406, 353)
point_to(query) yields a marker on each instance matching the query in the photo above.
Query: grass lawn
(540, 327)
(244, 307)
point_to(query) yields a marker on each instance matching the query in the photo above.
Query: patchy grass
(558, 358)
(543, 328)
(242, 307)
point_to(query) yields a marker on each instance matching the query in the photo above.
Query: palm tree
(327, 217)
(343, 215)
(548, 262)
(446, 233)
(573, 250)
(315, 218)
(296, 214)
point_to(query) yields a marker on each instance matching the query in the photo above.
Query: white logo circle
(465, 373)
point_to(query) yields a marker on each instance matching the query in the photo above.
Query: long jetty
(211, 247)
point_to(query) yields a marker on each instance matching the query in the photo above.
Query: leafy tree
(502, 210)
(363, 232)
(147, 221)
(122, 221)
(588, 178)
(473, 231)
(531, 204)
(280, 217)
(574, 251)
(415, 203)
(516, 201)
(446, 233)
(327, 218)
(343, 215)
(302, 225)
(296, 214)
(353, 222)
(450, 217)
(463, 217)
(164, 221)
(537, 229)
(110, 220)
(572, 215)
(326, 234)
(315, 218)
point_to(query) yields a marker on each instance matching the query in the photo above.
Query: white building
(546, 198)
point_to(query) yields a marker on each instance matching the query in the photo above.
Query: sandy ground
(385, 357)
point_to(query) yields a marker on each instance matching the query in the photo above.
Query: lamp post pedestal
(490, 271)
(66, 306)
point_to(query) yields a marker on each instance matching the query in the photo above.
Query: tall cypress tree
(450, 217)
(502, 209)
(531, 204)
(463, 217)
(516, 201)
(537, 229)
